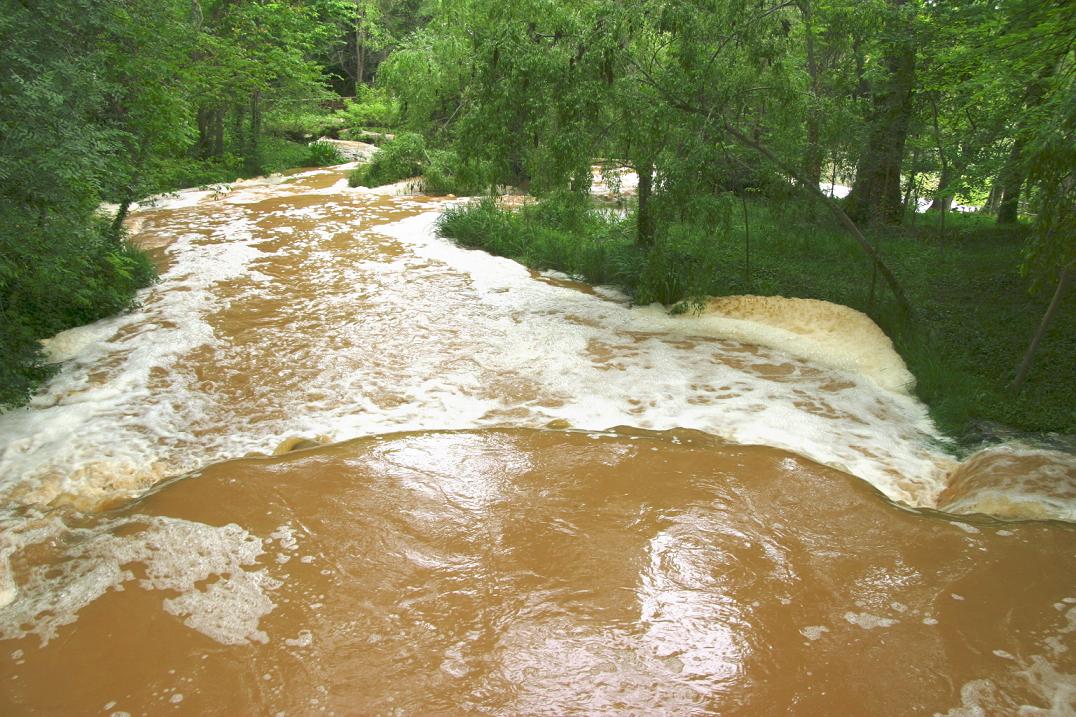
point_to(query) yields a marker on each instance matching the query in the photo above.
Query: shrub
(403, 157)
(446, 173)
(683, 264)
(303, 123)
(373, 108)
(65, 272)
(323, 154)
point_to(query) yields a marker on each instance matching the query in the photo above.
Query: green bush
(373, 109)
(565, 233)
(682, 265)
(446, 173)
(301, 123)
(406, 156)
(558, 233)
(323, 154)
(400, 159)
(55, 275)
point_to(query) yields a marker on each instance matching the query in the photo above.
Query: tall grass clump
(561, 233)
(407, 156)
(402, 158)
(373, 108)
(564, 232)
(323, 154)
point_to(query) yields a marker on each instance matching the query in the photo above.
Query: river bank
(973, 315)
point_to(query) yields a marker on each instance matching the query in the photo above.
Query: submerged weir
(501, 492)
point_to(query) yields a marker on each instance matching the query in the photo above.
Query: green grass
(407, 156)
(973, 315)
(400, 159)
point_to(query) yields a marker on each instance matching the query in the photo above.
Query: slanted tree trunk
(993, 200)
(114, 231)
(1047, 318)
(138, 164)
(875, 195)
(841, 215)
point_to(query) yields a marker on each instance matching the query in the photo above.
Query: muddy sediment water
(556, 503)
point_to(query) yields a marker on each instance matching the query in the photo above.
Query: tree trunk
(812, 162)
(910, 191)
(644, 220)
(746, 242)
(1044, 325)
(360, 66)
(254, 156)
(875, 194)
(205, 133)
(114, 231)
(1014, 172)
(994, 198)
(1011, 180)
(130, 189)
(951, 174)
(942, 202)
(218, 133)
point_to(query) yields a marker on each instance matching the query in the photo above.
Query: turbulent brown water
(554, 503)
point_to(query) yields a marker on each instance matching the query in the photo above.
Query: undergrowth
(407, 156)
(53, 277)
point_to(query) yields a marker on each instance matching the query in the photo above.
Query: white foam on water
(182, 198)
(1055, 692)
(1014, 480)
(875, 433)
(868, 621)
(817, 331)
(1039, 675)
(229, 610)
(96, 429)
(407, 331)
(171, 554)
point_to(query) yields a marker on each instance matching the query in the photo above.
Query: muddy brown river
(334, 464)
